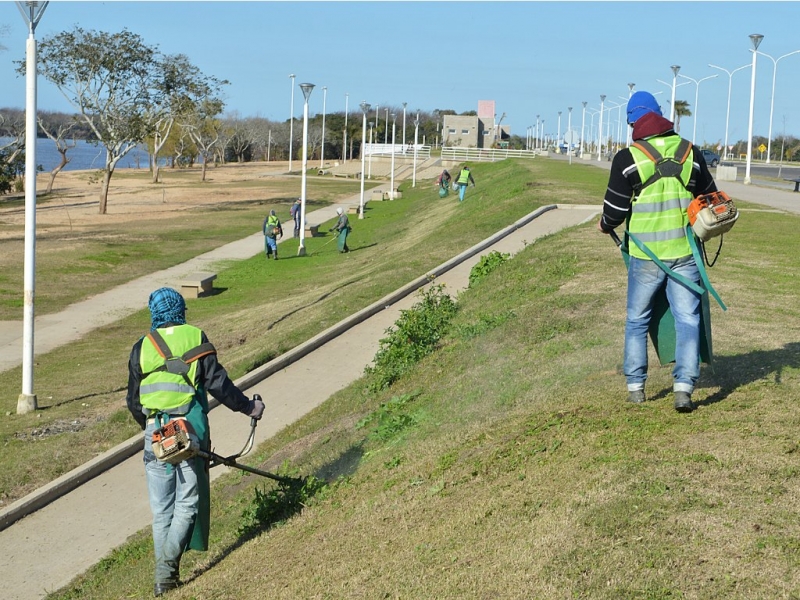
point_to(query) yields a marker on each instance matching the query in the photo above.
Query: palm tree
(681, 110)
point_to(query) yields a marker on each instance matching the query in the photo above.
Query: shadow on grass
(271, 507)
(733, 372)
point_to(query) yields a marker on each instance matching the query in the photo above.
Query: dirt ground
(75, 198)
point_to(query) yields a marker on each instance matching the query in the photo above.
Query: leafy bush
(487, 264)
(272, 507)
(391, 418)
(415, 335)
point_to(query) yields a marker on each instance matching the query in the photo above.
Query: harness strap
(174, 364)
(681, 154)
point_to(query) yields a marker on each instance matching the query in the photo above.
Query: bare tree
(205, 128)
(58, 133)
(110, 79)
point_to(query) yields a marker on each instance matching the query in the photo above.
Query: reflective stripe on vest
(160, 389)
(658, 214)
(463, 177)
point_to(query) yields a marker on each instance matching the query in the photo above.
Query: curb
(121, 452)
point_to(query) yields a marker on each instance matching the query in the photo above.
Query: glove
(331, 229)
(256, 408)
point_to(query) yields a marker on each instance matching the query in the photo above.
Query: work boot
(683, 402)
(160, 589)
(276, 256)
(636, 396)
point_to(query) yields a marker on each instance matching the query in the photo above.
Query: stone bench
(197, 285)
(311, 231)
(796, 182)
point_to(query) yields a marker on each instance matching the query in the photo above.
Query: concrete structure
(475, 131)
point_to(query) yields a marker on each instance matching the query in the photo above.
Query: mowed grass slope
(263, 308)
(507, 464)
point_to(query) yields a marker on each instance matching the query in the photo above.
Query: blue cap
(640, 104)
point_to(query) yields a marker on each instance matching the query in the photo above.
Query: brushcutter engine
(175, 441)
(711, 215)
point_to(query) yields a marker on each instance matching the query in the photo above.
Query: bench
(796, 181)
(197, 285)
(311, 231)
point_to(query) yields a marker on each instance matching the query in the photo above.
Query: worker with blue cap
(649, 189)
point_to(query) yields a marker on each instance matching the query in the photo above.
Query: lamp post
(728, 112)
(600, 129)
(306, 88)
(364, 110)
(536, 139)
(675, 69)
(322, 151)
(404, 127)
(592, 113)
(391, 184)
(543, 139)
(416, 137)
(629, 129)
(772, 97)
(583, 123)
(558, 137)
(377, 122)
(697, 83)
(609, 133)
(371, 125)
(569, 133)
(344, 137)
(755, 38)
(386, 131)
(291, 124)
(31, 12)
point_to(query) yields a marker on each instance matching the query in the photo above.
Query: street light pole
(386, 131)
(416, 137)
(583, 122)
(31, 12)
(728, 112)
(404, 127)
(322, 151)
(755, 38)
(629, 135)
(558, 138)
(675, 69)
(772, 97)
(600, 129)
(306, 88)
(291, 124)
(391, 184)
(569, 133)
(697, 83)
(371, 125)
(364, 110)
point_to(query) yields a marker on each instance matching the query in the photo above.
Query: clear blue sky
(530, 57)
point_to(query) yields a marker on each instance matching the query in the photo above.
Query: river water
(84, 156)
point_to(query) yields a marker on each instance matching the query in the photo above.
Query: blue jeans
(645, 280)
(270, 245)
(462, 188)
(174, 498)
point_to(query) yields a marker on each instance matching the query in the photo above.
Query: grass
(507, 465)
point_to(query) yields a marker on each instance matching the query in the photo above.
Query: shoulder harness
(665, 167)
(178, 365)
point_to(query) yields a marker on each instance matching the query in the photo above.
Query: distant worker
(296, 216)
(444, 183)
(272, 232)
(170, 371)
(343, 228)
(464, 178)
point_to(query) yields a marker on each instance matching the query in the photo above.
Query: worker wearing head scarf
(343, 228)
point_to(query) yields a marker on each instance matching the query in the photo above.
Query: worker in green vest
(273, 230)
(170, 371)
(653, 199)
(464, 178)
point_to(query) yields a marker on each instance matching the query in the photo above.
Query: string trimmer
(176, 441)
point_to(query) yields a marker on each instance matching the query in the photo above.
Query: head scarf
(339, 210)
(166, 306)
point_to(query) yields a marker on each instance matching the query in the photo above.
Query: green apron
(662, 322)
(199, 420)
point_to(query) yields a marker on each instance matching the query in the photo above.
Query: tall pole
(675, 69)
(322, 151)
(536, 139)
(371, 125)
(291, 127)
(404, 127)
(386, 131)
(629, 135)
(600, 129)
(772, 96)
(31, 12)
(728, 112)
(755, 38)
(416, 138)
(697, 83)
(364, 110)
(269, 143)
(569, 133)
(558, 139)
(583, 122)
(391, 185)
(344, 138)
(306, 88)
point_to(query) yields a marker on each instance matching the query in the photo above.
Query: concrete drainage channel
(109, 459)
